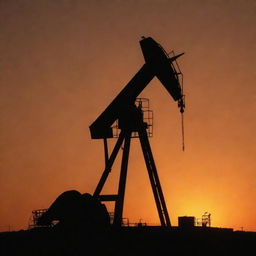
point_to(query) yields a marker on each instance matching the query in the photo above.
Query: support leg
(122, 182)
(105, 151)
(154, 180)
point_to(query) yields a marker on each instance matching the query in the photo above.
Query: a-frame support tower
(125, 139)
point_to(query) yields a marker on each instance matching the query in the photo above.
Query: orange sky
(61, 64)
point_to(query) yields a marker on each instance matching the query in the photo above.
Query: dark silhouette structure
(186, 221)
(130, 119)
(75, 210)
(33, 220)
(206, 219)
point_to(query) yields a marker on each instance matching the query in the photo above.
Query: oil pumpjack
(129, 117)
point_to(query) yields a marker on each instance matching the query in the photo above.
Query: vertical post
(122, 182)
(105, 151)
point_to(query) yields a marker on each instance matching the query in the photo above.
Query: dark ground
(128, 241)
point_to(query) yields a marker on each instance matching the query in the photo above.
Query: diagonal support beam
(109, 164)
